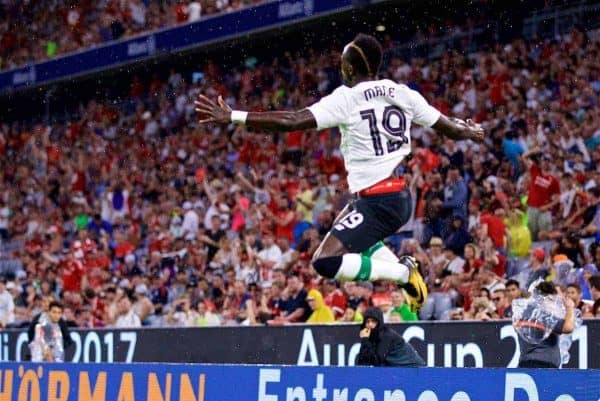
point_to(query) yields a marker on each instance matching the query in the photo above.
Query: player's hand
(476, 129)
(569, 304)
(219, 113)
(365, 333)
(471, 129)
(476, 132)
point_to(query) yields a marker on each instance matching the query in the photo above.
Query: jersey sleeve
(423, 113)
(330, 111)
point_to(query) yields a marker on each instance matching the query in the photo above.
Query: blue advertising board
(129, 382)
(211, 29)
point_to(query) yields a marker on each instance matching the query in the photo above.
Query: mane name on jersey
(378, 90)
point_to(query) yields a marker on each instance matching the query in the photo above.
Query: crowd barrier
(162, 382)
(448, 344)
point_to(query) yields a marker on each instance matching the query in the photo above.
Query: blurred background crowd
(132, 214)
(41, 30)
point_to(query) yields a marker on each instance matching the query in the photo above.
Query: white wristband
(239, 117)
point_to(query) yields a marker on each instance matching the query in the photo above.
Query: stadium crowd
(33, 31)
(132, 214)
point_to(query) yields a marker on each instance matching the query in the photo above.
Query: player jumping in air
(374, 118)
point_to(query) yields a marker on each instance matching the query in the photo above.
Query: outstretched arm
(221, 113)
(457, 129)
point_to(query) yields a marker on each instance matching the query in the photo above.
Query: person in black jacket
(382, 346)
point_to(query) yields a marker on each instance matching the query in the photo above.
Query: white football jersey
(374, 118)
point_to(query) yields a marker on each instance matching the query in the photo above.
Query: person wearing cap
(537, 268)
(142, 306)
(435, 258)
(436, 242)
(382, 346)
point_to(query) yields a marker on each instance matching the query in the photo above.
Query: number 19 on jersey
(393, 123)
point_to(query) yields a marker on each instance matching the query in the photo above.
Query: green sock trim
(365, 269)
(369, 252)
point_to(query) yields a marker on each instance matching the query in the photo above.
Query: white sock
(388, 270)
(385, 253)
(357, 267)
(350, 267)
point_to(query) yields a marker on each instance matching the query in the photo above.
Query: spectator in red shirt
(493, 226)
(543, 195)
(492, 259)
(284, 219)
(330, 164)
(72, 272)
(334, 298)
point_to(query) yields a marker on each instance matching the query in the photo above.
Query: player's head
(546, 288)
(55, 311)
(361, 59)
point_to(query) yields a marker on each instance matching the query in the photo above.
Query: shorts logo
(352, 220)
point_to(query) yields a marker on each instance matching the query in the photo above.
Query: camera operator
(539, 349)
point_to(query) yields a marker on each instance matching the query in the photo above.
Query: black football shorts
(372, 219)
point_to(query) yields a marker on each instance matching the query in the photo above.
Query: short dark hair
(576, 286)
(372, 51)
(55, 304)
(512, 282)
(546, 288)
(595, 282)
